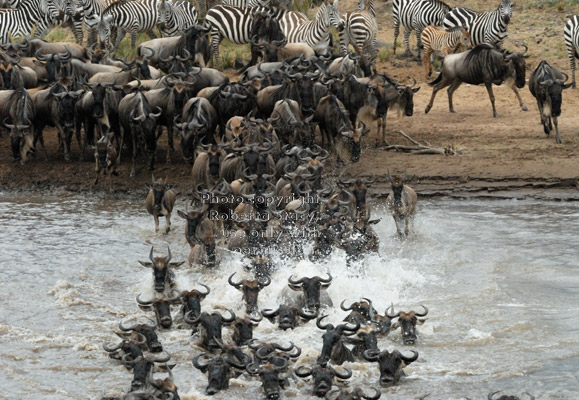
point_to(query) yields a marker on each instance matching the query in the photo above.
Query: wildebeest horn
(156, 115)
(371, 355)
(138, 119)
(319, 320)
(375, 396)
(42, 57)
(410, 359)
(206, 288)
(196, 362)
(326, 281)
(142, 302)
(127, 328)
(269, 313)
(151, 253)
(234, 284)
(252, 368)
(346, 375)
(235, 363)
(168, 254)
(370, 308)
(110, 349)
(346, 309)
(370, 180)
(299, 371)
(393, 315)
(295, 283)
(264, 283)
(422, 314)
(231, 316)
(189, 320)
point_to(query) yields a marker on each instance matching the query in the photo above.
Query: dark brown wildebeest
(218, 371)
(105, 156)
(160, 201)
(402, 204)
(250, 290)
(323, 375)
(407, 322)
(162, 273)
(391, 364)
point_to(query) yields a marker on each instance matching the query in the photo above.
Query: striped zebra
(175, 17)
(74, 17)
(32, 15)
(127, 16)
(246, 3)
(487, 27)
(415, 15)
(316, 33)
(571, 34)
(234, 24)
(359, 28)
(435, 38)
(92, 10)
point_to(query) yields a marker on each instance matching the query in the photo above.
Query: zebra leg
(572, 52)
(523, 107)
(451, 90)
(489, 87)
(151, 34)
(407, 52)
(419, 45)
(133, 39)
(426, 62)
(215, 41)
(396, 33)
(344, 39)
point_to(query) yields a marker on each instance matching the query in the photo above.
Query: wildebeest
(211, 325)
(288, 316)
(356, 394)
(163, 275)
(160, 201)
(206, 169)
(333, 346)
(491, 396)
(192, 301)
(402, 204)
(199, 120)
(17, 113)
(546, 84)
(391, 364)
(200, 234)
(271, 376)
(250, 290)
(323, 375)
(483, 64)
(105, 156)
(407, 322)
(310, 289)
(218, 371)
(243, 329)
(162, 308)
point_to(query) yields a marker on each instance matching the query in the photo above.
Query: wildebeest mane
(485, 62)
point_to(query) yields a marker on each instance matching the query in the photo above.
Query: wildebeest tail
(438, 78)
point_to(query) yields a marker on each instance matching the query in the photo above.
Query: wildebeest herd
(258, 146)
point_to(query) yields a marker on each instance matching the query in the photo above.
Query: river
(499, 279)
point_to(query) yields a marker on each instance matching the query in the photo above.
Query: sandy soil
(506, 156)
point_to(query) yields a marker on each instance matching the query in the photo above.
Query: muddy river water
(500, 279)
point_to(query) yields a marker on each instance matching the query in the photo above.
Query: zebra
(234, 24)
(73, 12)
(435, 38)
(127, 16)
(487, 27)
(416, 15)
(37, 15)
(359, 28)
(316, 33)
(571, 34)
(175, 17)
(92, 10)
(246, 3)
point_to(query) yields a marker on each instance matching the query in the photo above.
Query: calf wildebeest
(160, 201)
(435, 38)
(250, 290)
(333, 347)
(391, 364)
(407, 322)
(402, 204)
(218, 371)
(310, 289)
(105, 156)
(356, 394)
(206, 169)
(546, 84)
(360, 188)
(483, 64)
(162, 308)
(288, 316)
(163, 275)
(323, 375)
(200, 234)
(211, 325)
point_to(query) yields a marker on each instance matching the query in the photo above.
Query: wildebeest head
(506, 397)
(162, 308)
(147, 122)
(194, 218)
(192, 301)
(161, 269)
(99, 93)
(359, 190)
(549, 85)
(243, 329)
(407, 322)
(159, 187)
(288, 316)
(146, 333)
(21, 140)
(356, 394)
(390, 364)
(354, 139)
(310, 288)
(323, 377)
(6, 73)
(250, 290)
(167, 386)
(397, 185)
(211, 325)
(66, 100)
(332, 339)
(516, 62)
(218, 371)
(271, 378)
(104, 152)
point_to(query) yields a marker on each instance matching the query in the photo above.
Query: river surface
(500, 279)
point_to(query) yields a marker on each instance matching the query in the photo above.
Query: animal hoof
(525, 108)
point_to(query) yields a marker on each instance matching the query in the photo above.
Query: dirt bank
(506, 156)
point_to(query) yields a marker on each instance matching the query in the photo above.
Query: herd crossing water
(499, 279)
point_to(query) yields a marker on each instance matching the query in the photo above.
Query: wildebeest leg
(489, 87)
(39, 138)
(382, 124)
(451, 91)
(122, 133)
(134, 138)
(557, 137)
(523, 107)
(427, 63)
(167, 223)
(441, 85)
(156, 217)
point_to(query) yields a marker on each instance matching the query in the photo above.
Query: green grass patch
(385, 54)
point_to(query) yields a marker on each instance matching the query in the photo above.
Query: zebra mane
(441, 3)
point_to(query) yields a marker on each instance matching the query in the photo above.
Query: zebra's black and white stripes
(37, 15)
(359, 28)
(175, 17)
(415, 15)
(487, 27)
(127, 16)
(92, 10)
(571, 34)
(246, 3)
